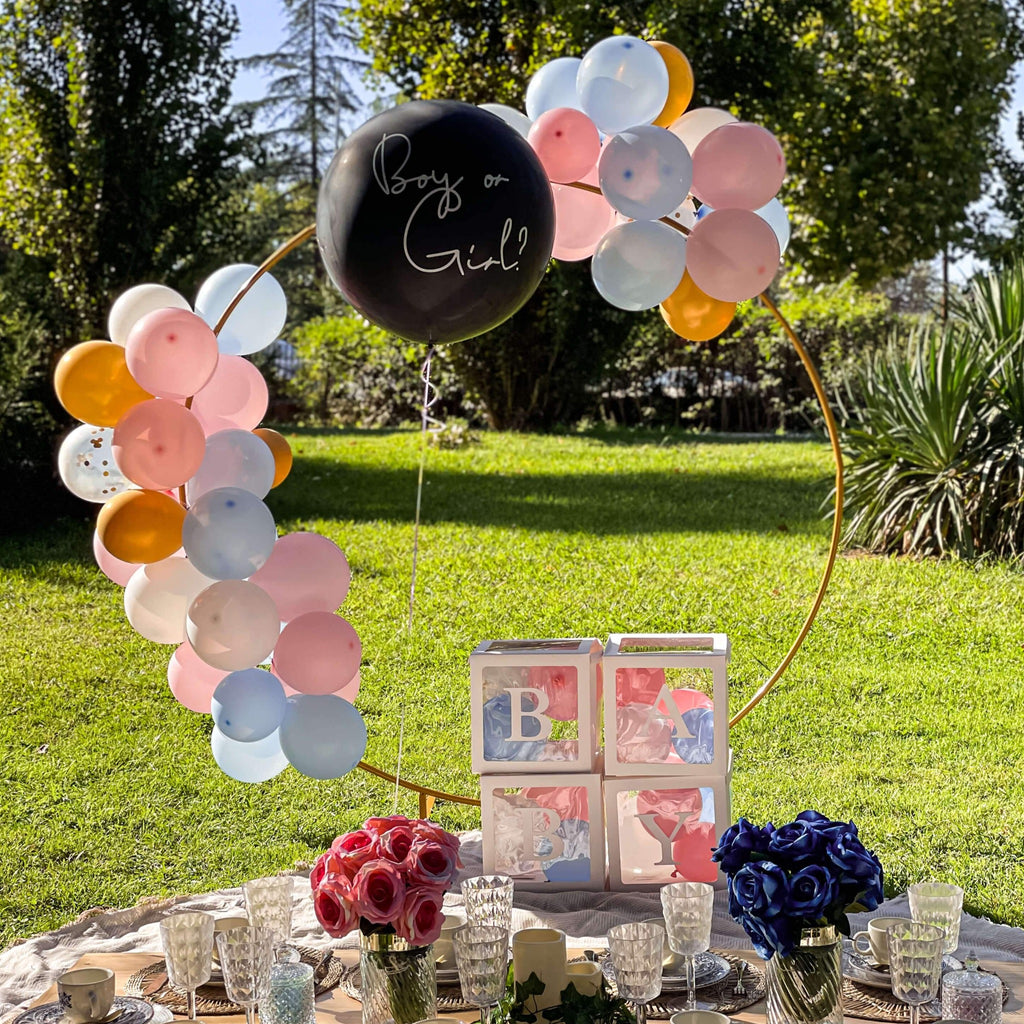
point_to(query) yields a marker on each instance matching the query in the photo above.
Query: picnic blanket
(29, 967)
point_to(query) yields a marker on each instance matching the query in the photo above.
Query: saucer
(124, 1009)
(864, 971)
(709, 969)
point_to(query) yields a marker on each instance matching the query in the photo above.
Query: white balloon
(685, 213)
(248, 762)
(622, 81)
(233, 458)
(695, 124)
(157, 598)
(255, 322)
(553, 85)
(512, 117)
(233, 625)
(778, 220)
(645, 172)
(87, 467)
(135, 303)
(639, 264)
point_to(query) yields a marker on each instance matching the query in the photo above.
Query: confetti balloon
(86, 464)
(232, 625)
(553, 85)
(234, 397)
(248, 762)
(93, 383)
(158, 444)
(171, 352)
(645, 172)
(281, 451)
(622, 81)
(228, 533)
(255, 322)
(680, 83)
(233, 458)
(566, 142)
(732, 255)
(512, 117)
(191, 680)
(738, 165)
(248, 705)
(132, 305)
(318, 653)
(305, 573)
(637, 265)
(695, 316)
(157, 598)
(140, 526)
(322, 737)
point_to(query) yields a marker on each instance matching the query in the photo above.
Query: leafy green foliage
(573, 1007)
(888, 113)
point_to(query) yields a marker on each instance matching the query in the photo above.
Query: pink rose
(353, 842)
(428, 830)
(421, 916)
(559, 683)
(318, 872)
(335, 909)
(381, 825)
(379, 891)
(431, 864)
(396, 843)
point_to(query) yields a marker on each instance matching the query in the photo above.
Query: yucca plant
(916, 422)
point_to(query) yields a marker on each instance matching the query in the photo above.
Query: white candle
(586, 977)
(541, 951)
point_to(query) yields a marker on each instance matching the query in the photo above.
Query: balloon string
(428, 424)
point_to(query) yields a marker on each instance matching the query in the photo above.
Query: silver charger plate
(709, 969)
(133, 1011)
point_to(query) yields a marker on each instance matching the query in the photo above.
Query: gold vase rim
(819, 935)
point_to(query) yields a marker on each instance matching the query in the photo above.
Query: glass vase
(805, 987)
(398, 981)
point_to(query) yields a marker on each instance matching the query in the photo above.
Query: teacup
(699, 1017)
(225, 924)
(669, 960)
(86, 994)
(877, 938)
(444, 949)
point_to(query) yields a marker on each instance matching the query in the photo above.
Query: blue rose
(739, 844)
(699, 746)
(812, 891)
(826, 826)
(859, 872)
(796, 844)
(759, 889)
(768, 937)
(497, 728)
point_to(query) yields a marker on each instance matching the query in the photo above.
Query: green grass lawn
(902, 710)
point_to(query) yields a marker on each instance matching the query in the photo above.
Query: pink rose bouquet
(389, 877)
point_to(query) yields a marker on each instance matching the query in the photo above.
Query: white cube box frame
(688, 651)
(640, 849)
(536, 827)
(581, 655)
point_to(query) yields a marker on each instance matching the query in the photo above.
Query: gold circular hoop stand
(428, 796)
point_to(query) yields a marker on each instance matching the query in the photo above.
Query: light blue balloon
(639, 264)
(553, 85)
(248, 705)
(228, 533)
(645, 172)
(778, 220)
(323, 737)
(255, 322)
(248, 762)
(622, 81)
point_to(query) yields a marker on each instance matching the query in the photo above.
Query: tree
(888, 112)
(117, 142)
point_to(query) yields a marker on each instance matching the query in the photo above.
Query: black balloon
(435, 219)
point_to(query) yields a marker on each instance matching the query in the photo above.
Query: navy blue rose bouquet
(809, 873)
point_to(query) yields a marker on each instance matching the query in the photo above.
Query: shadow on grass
(600, 503)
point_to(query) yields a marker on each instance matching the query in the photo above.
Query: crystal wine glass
(938, 903)
(915, 963)
(245, 958)
(637, 950)
(488, 900)
(687, 908)
(188, 947)
(268, 902)
(481, 953)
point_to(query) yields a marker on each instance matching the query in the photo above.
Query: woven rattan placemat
(880, 1004)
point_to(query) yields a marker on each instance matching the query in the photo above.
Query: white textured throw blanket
(29, 967)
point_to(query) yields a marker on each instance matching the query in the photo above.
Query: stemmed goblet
(637, 950)
(915, 963)
(268, 903)
(188, 948)
(481, 954)
(938, 903)
(488, 900)
(245, 958)
(687, 908)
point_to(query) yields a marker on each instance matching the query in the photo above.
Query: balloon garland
(436, 220)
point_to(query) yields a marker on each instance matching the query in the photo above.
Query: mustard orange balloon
(93, 383)
(140, 526)
(680, 83)
(280, 449)
(694, 315)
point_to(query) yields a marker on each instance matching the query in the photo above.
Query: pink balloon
(566, 801)
(739, 165)
(114, 569)
(317, 653)
(304, 573)
(732, 255)
(158, 444)
(582, 219)
(192, 681)
(566, 142)
(348, 692)
(172, 353)
(234, 397)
